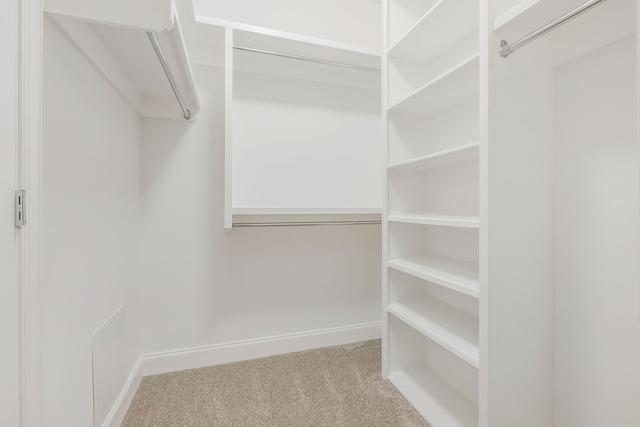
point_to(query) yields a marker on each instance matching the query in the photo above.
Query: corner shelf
(113, 37)
(453, 87)
(434, 398)
(442, 22)
(445, 325)
(460, 276)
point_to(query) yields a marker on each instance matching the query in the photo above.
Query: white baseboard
(171, 361)
(119, 410)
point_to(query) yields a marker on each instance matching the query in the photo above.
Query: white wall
(91, 218)
(204, 286)
(9, 302)
(597, 329)
(355, 22)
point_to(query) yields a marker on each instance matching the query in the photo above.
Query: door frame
(29, 177)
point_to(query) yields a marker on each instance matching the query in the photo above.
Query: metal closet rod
(506, 49)
(302, 224)
(186, 113)
(309, 59)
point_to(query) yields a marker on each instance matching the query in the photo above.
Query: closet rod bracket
(504, 49)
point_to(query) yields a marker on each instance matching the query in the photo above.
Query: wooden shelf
(442, 219)
(444, 158)
(434, 398)
(460, 276)
(444, 21)
(113, 37)
(453, 87)
(444, 324)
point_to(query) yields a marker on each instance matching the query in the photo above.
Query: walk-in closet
(320, 213)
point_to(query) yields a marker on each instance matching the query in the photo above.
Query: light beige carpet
(332, 386)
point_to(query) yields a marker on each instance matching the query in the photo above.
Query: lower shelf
(439, 403)
(451, 328)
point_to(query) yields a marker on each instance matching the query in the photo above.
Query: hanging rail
(506, 49)
(186, 113)
(302, 224)
(306, 58)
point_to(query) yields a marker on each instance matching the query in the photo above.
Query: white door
(9, 297)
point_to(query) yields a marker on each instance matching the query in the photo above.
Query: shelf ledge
(457, 275)
(452, 87)
(440, 219)
(113, 37)
(440, 159)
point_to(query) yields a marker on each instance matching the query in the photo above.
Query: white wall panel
(597, 334)
(91, 218)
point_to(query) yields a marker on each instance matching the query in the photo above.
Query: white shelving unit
(431, 285)
(113, 36)
(326, 95)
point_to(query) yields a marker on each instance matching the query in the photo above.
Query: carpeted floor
(332, 386)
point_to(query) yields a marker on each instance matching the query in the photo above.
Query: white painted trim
(385, 188)
(120, 407)
(171, 361)
(228, 128)
(30, 178)
(198, 357)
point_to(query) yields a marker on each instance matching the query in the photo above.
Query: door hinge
(21, 208)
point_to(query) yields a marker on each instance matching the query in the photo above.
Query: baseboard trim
(198, 357)
(119, 410)
(172, 361)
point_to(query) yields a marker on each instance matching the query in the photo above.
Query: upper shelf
(113, 36)
(453, 87)
(306, 58)
(440, 27)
